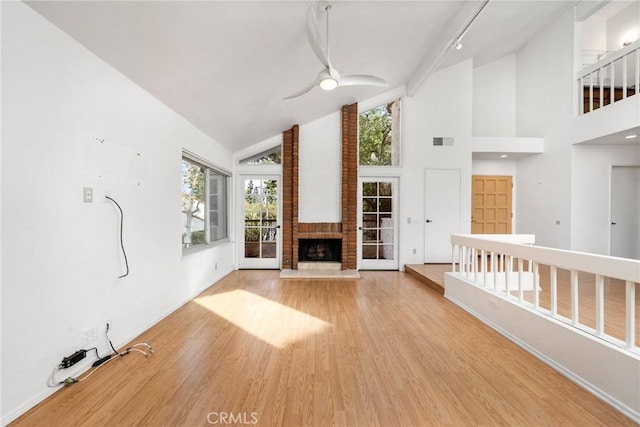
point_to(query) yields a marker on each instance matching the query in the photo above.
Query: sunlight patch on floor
(267, 320)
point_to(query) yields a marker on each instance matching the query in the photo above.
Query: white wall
(591, 170)
(320, 170)
(494, 98)
(623, 26)
(61, 256)
(544, 104)
(441, 107)
(594, 34)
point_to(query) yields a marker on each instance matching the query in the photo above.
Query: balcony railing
(614, 77)
(510, 266)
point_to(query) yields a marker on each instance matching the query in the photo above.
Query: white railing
(614, 77)
(509, 265)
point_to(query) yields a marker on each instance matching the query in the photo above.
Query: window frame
(210, 168)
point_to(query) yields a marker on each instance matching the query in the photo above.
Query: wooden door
(491, 204)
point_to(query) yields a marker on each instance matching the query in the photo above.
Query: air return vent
(439, 141)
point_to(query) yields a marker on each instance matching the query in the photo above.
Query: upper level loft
(610, 66)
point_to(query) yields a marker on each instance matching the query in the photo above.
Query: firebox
(326, 250)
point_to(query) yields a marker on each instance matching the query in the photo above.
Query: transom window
(272, 156)
(379, 135)
(204, 203)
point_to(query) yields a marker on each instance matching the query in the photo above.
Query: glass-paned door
(261, 222)
(378, 223)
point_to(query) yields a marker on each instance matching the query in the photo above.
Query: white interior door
(442, 213)
(625, 211)
(378, 223)
(260, 227)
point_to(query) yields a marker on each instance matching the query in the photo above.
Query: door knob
(359, 228)
(429, 221)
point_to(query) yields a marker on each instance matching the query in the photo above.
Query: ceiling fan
(329, 78)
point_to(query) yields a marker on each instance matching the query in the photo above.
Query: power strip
(73, 359)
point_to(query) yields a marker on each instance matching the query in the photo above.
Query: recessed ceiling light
(504, 156)
(631, 136)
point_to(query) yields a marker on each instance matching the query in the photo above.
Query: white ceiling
(226, 65)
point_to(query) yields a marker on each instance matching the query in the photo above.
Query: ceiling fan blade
(362, 80)
(317, 39)
(300, 92)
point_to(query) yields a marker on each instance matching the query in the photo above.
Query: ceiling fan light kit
(329, 78)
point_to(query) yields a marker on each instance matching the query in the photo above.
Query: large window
(379, 135)
(204, 203)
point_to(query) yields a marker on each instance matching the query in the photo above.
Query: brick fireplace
(295, 233)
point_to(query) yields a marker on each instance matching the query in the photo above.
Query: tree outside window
(379, 135)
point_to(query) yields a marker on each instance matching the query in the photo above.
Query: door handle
(613, 223)
(428, 221)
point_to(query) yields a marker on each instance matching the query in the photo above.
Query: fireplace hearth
(320, 250)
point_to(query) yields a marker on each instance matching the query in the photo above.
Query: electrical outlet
(494, 303)
(89, 335)
(87, 195)
(215, 266)
(414, 251)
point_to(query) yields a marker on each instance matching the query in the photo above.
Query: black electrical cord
(126, 262)
(95, 349)
(106, 332)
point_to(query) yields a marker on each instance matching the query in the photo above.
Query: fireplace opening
(326, 250)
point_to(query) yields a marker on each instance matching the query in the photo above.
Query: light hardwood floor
(379, 350)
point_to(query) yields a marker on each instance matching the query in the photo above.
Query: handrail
(616, 268)
(614, 56)
(488, 261)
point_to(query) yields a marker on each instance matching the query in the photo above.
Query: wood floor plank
(376, 351)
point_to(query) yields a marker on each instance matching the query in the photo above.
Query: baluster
(601, 78)
(624, 77)
(474, 264)
(590, 92)
(508, 269)
(460, 258)
(553, 279)
(536, 285)
(630, 328)
(581, 106)
(463, 263)
(599, 304)
(637, 85)
(574, 297)
(612, 92)
(493, 270)
(453, 258)
(520, 287)
(483, 266)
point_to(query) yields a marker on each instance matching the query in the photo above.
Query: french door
(260, 222)
(378, 223)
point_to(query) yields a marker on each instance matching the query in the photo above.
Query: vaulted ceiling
(226, 66)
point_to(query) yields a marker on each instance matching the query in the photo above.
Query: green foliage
(260, 209)
(193, 195)
(375, 136)
(197, 237)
